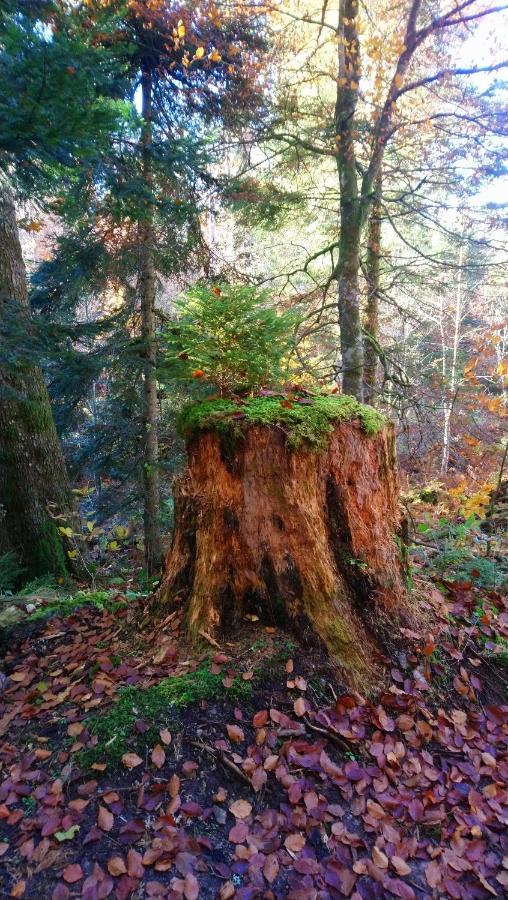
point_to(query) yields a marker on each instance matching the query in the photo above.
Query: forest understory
(135, 764)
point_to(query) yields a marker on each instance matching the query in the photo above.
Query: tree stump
(301, 538)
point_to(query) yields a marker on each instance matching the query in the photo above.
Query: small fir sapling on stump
(287, 509)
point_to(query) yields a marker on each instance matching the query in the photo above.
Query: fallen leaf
(131, 760)
(105, 819)
(158, 756)
(240, 809)
(72, 873)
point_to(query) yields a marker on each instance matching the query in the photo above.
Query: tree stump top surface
(307, 419)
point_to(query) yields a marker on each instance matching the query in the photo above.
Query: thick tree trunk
(372, 266)
(302, 539)
(34, 488)
(153, 545)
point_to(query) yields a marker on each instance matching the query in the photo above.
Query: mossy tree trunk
(302, 539)
(34, 487)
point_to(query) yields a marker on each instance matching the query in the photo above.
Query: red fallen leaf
(271, 763)
(165, 736)
(289, 666)
(61, 892)
(271, 868)
(399, 888)
(155, 889)
(105, 819)
(191, 809)
(235, 733)
(190, 887)
(416, 810)
(433, 874)
(116, 866)
(258, 778)
(134, 864)
(131, 760)
(190, 768)
(72, 873)
(40, 753)
(173, 786)
(260, 719)
(238, 833)
(158, 756)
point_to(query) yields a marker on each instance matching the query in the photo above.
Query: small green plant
(230, 338)
(10, 571)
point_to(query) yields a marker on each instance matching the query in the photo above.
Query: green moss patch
(65, 606)
(307, 420)
(156, 706)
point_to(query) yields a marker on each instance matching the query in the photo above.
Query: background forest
(350, 165)
(253, 449)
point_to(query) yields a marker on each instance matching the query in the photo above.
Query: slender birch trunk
(451, 394)
(147, 278)
(372, 309)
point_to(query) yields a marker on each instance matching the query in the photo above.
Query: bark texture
(33, 480)
(301, 539)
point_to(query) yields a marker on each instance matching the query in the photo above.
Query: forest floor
(131, 767)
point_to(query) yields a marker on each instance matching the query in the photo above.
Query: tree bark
(371, 338)
(301, 539)
(350, 222)
(147, 280)
(34, 488)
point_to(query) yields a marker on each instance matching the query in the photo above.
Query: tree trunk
(372, 309)
(350, 212)
(34, 488)
(153, 545)
(301, 539)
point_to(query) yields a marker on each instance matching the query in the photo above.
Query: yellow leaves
(214, 56)
(181, 29)
(65, 532)
(33, 225)
(200, 52)
(398, 81)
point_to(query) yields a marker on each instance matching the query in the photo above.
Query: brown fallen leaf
(165, 736)
(294, 842)
(379, 858)
(190, 887)
(72, 873)
(240, 809)
(135, 866)
(116, 866)
(400, 865)
(105, 819)
(235, 733)
(131, 760)
(299, 706)
(158, 756)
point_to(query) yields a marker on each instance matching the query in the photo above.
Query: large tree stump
(302, 539)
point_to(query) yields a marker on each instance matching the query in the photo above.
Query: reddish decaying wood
(300, 539)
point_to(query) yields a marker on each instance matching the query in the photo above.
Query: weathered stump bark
(302, 539)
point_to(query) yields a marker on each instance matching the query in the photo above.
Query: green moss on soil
(309, 421)
(157, 706)
(65, 606)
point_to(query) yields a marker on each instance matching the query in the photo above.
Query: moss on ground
(156, 706)
(65, 606)
(308, 421)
